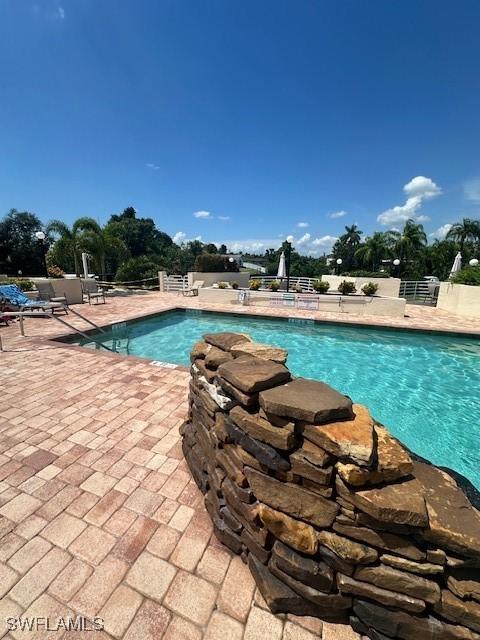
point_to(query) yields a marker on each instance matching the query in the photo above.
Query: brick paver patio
(98, 513)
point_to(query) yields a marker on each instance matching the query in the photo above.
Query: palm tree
(466, 231)
(84, 235)
(373, 250)
(410, 242)
(352, 235)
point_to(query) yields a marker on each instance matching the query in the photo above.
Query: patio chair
(93, 291)
(46, 292)
(193, 290)
(12, 298)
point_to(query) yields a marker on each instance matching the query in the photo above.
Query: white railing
(305, 283)
(419, 291)
(176, 283)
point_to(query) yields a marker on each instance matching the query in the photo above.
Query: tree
(223, 249)
(352, 235)
(211, 248)
(373, 251)
(466, 231)
(140, 235)
(19, 248)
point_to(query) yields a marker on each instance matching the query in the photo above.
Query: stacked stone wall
(332, 514)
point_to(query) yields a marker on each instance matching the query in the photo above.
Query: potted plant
(234, 285)
(222, 285)
(321, 286)
(255, 285)
(55, 272)
(347, 288)
(370, 288)
(298, 288)
(274, 285)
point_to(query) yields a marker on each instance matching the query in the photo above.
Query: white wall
(242, 277)
(461, 299)
(358, 305)
(386, 286)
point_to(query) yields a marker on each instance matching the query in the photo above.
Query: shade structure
(457, 264)
(85, 264)
(282, 271)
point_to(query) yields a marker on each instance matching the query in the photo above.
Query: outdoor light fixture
(231, 259)
(473, 262)
(396, 262)
(339, 261)
(40, 236)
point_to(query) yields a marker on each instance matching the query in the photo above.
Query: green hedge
(468, 275)
(213, 263)
(366, 274)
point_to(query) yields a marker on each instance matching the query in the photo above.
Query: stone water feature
(335, 518)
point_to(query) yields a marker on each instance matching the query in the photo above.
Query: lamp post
(473, 262)
(339, 263)
(396, 264)
(40, 236)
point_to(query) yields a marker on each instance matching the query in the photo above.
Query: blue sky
(259, 115)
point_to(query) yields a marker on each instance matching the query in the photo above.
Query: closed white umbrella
(457, 264)
(85, 264)
(282, 271)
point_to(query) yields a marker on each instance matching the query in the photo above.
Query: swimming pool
(424, 387)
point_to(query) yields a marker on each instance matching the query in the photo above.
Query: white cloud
(302, 225)
(224, 217)
(179, 237)
(337, 214)
(441, 232)
(290, 239)
(203, 215)
(324, 241)
(152, 166)
(417, 190)
(252, 246)
(471, 190)
(61, 13)
(303, 240)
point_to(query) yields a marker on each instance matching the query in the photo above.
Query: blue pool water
(425, 388)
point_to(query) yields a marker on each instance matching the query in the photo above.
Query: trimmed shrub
(347, 287)
(213, 263)
(55, 272)
(255, 285)
(222, 285)
(321, 286)
(22, 283)
(468, 275)
(136, 269)
(274, 285)
(370, 288)
(234, 285)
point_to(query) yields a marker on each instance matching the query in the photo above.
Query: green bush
(370, 288)
(255, 285)
(468, 275)
(136, 269)
(214, 263)
(234, 285)
(55, 272)
(366, 274)
(22, 283)
(321, 286)
(347, 287)
(274, 285)
(222, 285)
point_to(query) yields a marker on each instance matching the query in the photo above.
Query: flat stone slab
(349, 440)
(226, 340)
(454, 522)
(400, 581)
(261, 429)
(307, 400)
(292, 499)
(265, 351)
(215, 357)
(299, 535)
(401, 503)
(348, 550)
(350, 586)
(250, 374)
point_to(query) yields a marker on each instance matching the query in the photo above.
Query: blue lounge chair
(12, 298)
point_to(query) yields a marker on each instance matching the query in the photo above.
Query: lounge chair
(193, 290)
(93, 291)
(46, 292)
(12, 298)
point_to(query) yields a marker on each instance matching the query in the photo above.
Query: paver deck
(99, 515)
